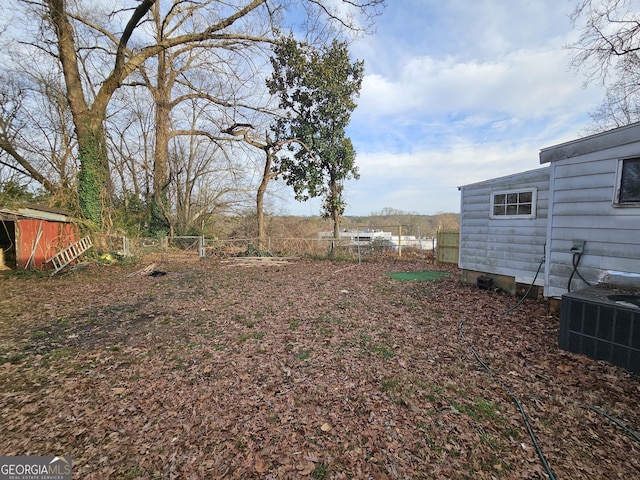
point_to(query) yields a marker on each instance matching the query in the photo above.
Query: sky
(457, 92)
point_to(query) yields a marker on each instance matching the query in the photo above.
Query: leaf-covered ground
(309, 369)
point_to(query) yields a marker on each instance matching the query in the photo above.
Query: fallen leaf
(306, 468)
(260, 466)
(225, 395)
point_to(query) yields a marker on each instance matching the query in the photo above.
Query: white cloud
(458, 92)
(527, 83)
(458, 165)
(426, 181)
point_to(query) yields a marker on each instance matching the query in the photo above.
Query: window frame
(529, 216)
(617, 191)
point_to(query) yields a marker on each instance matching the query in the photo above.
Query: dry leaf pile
(308, 369)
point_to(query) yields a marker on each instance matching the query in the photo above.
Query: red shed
(29, 236)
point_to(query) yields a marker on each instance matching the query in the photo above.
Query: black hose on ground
(519, 405)
(515, 399)
(576, 261)
(524, 297)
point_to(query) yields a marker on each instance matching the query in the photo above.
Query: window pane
(513, 204)
(524, 209)
(630, 183)
(526, 197)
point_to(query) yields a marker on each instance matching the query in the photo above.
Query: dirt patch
(305, 369)
(256, 261)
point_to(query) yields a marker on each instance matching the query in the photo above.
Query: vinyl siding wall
(510, 247)
(582, 208)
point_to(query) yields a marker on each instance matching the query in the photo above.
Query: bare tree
(271, 167)
(209, 75)
(130, 143)
(608, 51)
(204, 181)
(36, 135)
(99, 49)
(94, 182)
(11, 100)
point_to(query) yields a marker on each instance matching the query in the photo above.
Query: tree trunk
(262, 188)
(7, 146)
(159, 204)
(262, 234)
(92, 150)
(95, 189)
(94, 180)
(334, 199)
(159, 199)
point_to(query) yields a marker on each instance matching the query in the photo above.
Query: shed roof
(506, 178)
(592, 143)
(34, 213)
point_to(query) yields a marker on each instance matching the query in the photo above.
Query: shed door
(8, 242)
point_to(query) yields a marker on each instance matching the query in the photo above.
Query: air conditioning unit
(604, 324)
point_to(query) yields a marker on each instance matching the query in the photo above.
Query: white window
(514, 203)
(628, 191)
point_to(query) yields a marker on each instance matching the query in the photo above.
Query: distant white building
(372, 237)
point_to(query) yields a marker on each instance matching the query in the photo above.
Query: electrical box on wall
(578, 246)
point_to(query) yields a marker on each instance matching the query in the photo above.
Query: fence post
(433, 250)
(420, 243)
(125, 246)
(399, 241)
(201, 244)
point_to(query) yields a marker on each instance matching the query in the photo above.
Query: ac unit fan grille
(593, 325)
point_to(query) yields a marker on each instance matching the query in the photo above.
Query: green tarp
(419, 276)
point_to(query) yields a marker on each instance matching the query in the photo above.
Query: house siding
(575, 202)
(582, 208)
(504, 247)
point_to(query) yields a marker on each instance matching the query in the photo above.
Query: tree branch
(140, 11)
(28, 171)
(176, 133)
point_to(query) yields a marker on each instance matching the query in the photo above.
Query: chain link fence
(318, 247)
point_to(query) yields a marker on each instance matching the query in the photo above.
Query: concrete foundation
(502, 282)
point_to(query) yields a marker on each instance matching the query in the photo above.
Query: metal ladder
(68, 254)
